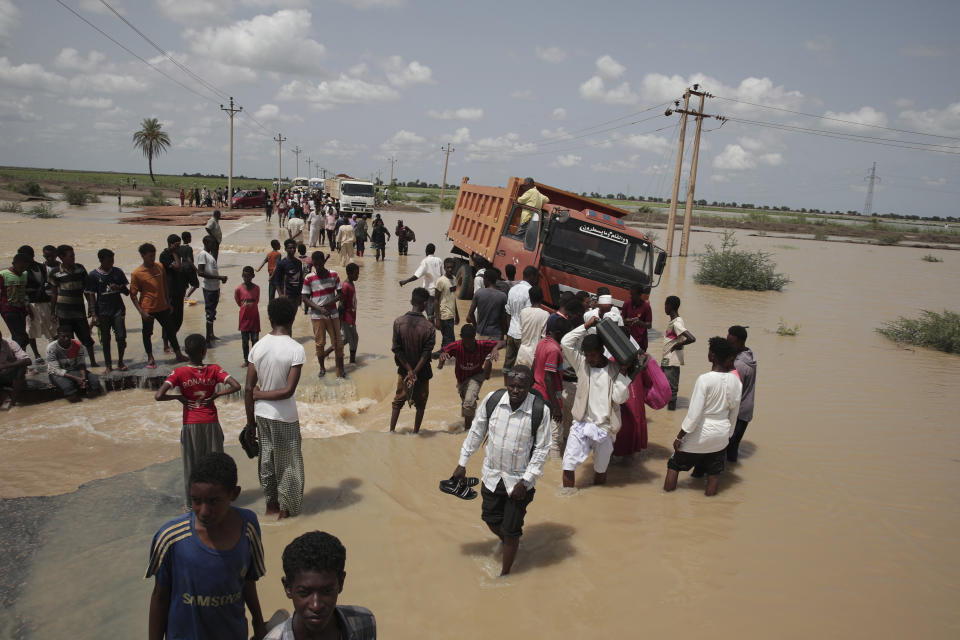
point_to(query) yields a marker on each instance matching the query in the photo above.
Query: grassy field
(110, 180)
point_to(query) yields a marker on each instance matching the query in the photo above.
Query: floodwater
(840, 519)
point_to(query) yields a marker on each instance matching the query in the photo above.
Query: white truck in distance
(354, 196)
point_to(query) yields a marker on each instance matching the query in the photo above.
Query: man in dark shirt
(179, 274)
(69, 282)
(40, 321)
(413, 340)
(487, 309)
(104, 286)
(288, 275)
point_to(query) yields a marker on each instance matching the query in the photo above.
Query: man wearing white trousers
(602, 386)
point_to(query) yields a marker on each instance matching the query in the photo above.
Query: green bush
(43, 210)
(155, 199)
(731, 268)
(931, 258)
(11, 206)
(933, 330)
(783, 329)
(27, 188)
(448, 203)
(77, 196)
(889, 239)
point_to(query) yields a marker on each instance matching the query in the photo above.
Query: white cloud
(595, 90)
(735, 158)
(556, 134)
(192, 11)
(358, 70)
(460, 136)
(107, 83)
(945, 122)
(820, 44)
(463, 113)
(20, 110)
(495, 147)
(933, 182)
(751, 144)
(402, 74)
(647, 142)
(857, 119)
(280, 42)
(904, 103)
(29, 76)
(522, 94)
(90, 103)
(272, 113)
(559, 114)
(609, 68)
(332, 93)
(632, 164)
(657, 87)
(720, 177)
(403, 139)
(9, 20)
(191, 143)
(924, 51)
(566, 161)
(71, 60)
(269, 4)
(109, 126)
(553, 55)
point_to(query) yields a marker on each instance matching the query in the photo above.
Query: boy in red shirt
(548, 379)
(201, 433)
(474, 360)
(247, 296)
(348, 313)
(271, 262)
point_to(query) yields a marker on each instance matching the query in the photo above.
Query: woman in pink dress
(650, 387)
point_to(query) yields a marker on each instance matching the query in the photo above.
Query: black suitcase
(618, 344)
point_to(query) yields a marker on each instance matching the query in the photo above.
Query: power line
(146, 62)
(183, 67)
(851, 135)
(813, 115)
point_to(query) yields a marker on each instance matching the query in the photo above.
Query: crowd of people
(565, 395)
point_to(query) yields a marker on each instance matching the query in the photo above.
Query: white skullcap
(605, 299)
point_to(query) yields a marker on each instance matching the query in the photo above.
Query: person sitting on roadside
(67, 366)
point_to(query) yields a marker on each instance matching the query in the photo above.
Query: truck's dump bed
(481, 212)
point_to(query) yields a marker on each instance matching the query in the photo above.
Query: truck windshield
(605, 255)
(356, 189)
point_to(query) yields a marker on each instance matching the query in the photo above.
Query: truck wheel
(465, 275)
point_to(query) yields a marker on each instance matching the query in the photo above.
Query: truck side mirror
(562, 215)
(661, 263)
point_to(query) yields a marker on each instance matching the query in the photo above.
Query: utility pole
(279, 140)
(443, 187)
(392, 161)
(297, 150)
(232, 112)
(872, 177)
(688, 210)
(309, 167)
(672, 216)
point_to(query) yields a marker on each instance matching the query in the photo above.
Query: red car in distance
(249, 199)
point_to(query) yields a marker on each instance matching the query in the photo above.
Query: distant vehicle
(354, 196)
(248, 199)
(300, 185)
(316, 185)
(576, 243)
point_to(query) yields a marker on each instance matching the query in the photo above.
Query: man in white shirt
(295, 228)
(604, 309)
(276, 361)
(518, 299)
(602, 386)
(213, 229)
(516, 451)
(430, 269)
(705, 433)
(533, 321)
(210, 277)
(315, 226)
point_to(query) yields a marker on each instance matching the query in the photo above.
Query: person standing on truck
(430, 269)
(517, 300)
(532, 198)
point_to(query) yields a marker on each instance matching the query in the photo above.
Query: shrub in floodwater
(933, 330)
(77, 196)
(890, 239)
(931, 258)
(27, 188)
(11, 206)
(155, 199)
(448, 203)
(43, 210)
(731, 268)
(783, 329)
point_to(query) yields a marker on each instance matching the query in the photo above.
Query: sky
(570, 93)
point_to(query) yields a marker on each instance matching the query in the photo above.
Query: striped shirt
(355, 623)
(60, 360)
(323, 292)
(510, 442)
(69, 286)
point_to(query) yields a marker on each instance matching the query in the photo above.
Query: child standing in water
(247, 296)
(675, 336)
(201, 433)
(348, 313)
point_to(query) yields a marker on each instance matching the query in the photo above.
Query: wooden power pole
(297, 151)
(691, 189)
(672, 216)
(279, 140)
(232, 112)
(443, 187)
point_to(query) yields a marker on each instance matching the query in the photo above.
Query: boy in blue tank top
(206, 563)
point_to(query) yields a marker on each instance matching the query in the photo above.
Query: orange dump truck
(576, 243)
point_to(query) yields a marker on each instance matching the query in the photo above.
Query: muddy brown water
(841, 518)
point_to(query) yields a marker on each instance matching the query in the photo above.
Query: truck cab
(356, 196)
(576, 243)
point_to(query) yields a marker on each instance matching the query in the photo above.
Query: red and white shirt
(323, 292)
(197, 383)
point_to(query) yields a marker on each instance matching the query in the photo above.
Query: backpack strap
(538, 405)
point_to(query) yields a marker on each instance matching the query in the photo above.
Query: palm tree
(151, 141)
